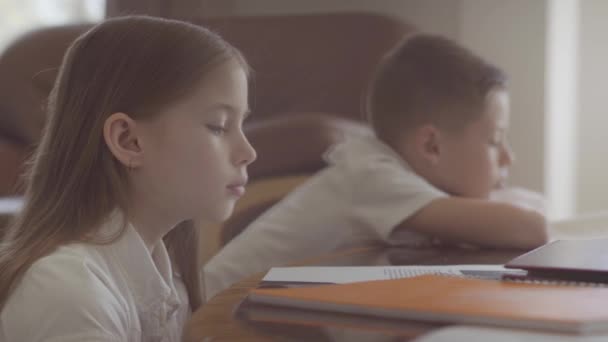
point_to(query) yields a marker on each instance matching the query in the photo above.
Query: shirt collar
(148, 275)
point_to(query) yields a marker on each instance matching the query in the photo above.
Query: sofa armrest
(294, 143)
(28, 68)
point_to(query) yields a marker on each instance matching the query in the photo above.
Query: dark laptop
(568, 260)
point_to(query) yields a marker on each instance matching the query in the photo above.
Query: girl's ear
(120, 134)
(427, 140)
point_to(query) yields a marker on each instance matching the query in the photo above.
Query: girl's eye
(216, 129)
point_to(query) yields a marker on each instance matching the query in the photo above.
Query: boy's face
(196, 154)
(475, 161)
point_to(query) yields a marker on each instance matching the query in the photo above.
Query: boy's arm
(480, 222)
(520, 197)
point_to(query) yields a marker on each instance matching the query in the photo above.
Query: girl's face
(196, 155)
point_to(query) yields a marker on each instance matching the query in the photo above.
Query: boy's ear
(427, 142)
(120, 135)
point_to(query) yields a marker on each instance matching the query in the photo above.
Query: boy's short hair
(429, 79)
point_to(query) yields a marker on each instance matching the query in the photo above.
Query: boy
(436, 168)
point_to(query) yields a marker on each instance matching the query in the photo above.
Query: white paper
(351, 274)
(471, 333)
(10, 205)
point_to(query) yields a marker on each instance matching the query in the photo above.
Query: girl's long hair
(137, 65)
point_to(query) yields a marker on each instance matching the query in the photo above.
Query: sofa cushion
(28, 69)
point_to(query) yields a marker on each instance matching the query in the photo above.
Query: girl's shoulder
(73, 270)
(67, 291)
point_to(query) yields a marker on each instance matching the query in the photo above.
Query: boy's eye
(216, 129)
(497, 140)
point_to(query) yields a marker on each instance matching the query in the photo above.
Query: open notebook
(310, 275)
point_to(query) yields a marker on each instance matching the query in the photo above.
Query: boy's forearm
(527, 230)
(480, 222)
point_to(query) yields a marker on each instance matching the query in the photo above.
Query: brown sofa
(309, 74)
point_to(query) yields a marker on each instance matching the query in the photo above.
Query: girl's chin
(225, 215)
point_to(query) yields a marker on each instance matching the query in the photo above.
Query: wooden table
(216, 321)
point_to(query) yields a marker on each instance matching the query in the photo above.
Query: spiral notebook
(317, 275)
(583, 261)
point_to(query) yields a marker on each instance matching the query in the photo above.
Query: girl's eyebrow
(231, 109)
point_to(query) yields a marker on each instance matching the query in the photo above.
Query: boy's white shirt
(367, 190)
(85, 292)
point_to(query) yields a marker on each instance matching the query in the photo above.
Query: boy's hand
(520, 197)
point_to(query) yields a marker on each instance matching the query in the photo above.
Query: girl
(144, 133)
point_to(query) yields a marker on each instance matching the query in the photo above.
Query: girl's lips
(236, 190)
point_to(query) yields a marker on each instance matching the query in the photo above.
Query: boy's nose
(507, 157)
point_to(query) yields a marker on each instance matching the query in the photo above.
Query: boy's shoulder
(371, 160)
(365, 157)
(359, 171)
(361, 150)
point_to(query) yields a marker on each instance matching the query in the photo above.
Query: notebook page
(350, 274)
(10, 205)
